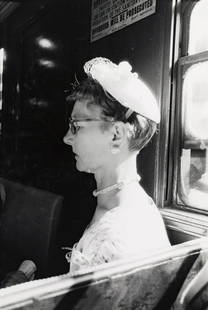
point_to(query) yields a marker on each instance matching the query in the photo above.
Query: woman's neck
(111, 181)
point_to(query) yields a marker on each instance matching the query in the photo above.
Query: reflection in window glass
(194, 160)
(1, 84)
(1, 74)
(198, 35)
(195, 103)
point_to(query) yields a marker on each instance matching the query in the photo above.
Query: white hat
(124, 86)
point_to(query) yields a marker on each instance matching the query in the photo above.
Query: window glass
(195, 102)
(193, 188)
(198, 31)
(1, 84)
(1, 74)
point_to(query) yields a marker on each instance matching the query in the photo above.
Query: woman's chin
(80, 167)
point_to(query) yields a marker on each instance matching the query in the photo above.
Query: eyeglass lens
(72, 127)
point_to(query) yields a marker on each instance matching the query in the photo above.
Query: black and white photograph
(104, 154)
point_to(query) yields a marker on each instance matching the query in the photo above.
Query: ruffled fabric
(120, 233)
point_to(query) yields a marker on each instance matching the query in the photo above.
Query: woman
(114, 116)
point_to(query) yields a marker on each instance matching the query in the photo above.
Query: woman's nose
(68, 138)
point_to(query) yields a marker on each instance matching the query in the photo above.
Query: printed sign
(109, 16)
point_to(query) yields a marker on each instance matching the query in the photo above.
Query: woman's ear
(118, 137)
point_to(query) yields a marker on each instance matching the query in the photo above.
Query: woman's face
(90, 144)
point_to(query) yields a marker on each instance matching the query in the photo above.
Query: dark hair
(140, 128)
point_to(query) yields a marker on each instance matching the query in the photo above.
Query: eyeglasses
(74, 127)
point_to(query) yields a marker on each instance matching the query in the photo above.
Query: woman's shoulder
(120, 224)
(120, 232)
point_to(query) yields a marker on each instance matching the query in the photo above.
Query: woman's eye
(77, 127)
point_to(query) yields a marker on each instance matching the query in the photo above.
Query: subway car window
(198, 31)
(192, 186)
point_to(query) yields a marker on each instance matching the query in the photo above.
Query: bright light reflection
(38, 102)
(195, 98)
(45, 43)
(198, 39)
(47, 63)
(1, 74)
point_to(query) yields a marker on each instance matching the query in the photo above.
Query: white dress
(120, 233)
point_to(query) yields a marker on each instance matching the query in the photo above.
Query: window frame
(180, 218)
(184, 63)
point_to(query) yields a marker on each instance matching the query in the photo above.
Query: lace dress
(120, 233)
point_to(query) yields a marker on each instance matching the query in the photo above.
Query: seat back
(194, 292)
(28, 226)
(151, 283)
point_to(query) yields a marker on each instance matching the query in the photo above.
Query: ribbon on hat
(124, 85)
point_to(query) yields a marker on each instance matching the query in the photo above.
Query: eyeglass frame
(73, 128)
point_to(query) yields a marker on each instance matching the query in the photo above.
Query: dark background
(35, 114)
